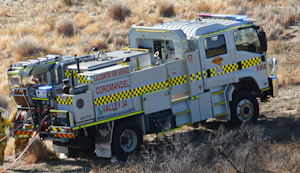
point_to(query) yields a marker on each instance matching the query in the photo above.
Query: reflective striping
(184, 112)
(205, 74)
(64, 135)
(28, 127)
(23, 132)
(66, 101)
(232, 67)
(130, 93)
(144, 89)
(219, 92)
(224, 69)
(56, 129)
(265, 89)
(85, 79)
(193, 78)
(108, 120)
(222, 114)
(221, 103)
(58, 111)
(179, 80)
(250, 62)
(199, 76)
(69, 72)
(196, 97)
(74, 74)
(40, 99)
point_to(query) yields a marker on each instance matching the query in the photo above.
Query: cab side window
(214, 46)
(247, 40)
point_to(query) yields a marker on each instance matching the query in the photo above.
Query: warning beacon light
(46, 87)
(223, 16)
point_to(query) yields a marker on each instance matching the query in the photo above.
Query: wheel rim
(245, 110)
(128, 140)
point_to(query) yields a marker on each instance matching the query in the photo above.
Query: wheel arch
(138, 120)
(247, 84)
(122, 129)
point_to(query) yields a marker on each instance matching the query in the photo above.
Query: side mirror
(263, 41)
(95, 49)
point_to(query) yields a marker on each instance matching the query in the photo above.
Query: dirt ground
(279, 117)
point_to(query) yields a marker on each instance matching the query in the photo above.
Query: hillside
(35, 28)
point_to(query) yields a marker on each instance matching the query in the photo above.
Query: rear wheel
(244, 108)
(127, 139)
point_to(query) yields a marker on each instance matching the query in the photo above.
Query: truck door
(249, 54)
(217, 59)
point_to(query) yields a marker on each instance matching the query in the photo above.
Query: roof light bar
(223, 16)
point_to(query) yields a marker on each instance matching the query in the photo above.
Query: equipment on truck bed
(173, 74)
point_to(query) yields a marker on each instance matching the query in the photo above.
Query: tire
(244, 108)
(127, 139)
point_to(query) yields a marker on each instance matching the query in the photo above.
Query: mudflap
(103, 150)
(60, 149)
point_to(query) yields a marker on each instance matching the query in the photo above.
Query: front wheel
(244, 108)
(127, 139)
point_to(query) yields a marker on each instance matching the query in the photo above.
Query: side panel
(157, 101)
(80, 105)
(145, 81)
(112, 97)
(194, 73)
(177, 80)
(205, 106)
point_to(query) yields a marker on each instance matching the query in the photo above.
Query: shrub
(28, 48)
(3, 11)
(100, 43)
(118, 12)
(38, 152)
(166, 9)
(65, 27)
(83, 20)
(237, 150)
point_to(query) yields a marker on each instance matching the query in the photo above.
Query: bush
(28, 48)
(238, 150)
(38, 152)
(118, 12)
(65, 27)
(166, 9)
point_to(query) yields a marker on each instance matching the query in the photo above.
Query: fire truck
(172, 74)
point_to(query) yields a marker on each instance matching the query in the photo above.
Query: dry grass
(28, 48)
(65, 27)
(198, 152)
(3, 11)
(166, 8)
(118, 11)
(83, 20)
(38, 152)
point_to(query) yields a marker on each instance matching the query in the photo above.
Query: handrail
(138, 49)
(146, 30)
(138, 68)
(185, 68)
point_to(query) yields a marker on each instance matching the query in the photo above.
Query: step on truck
(172, 74)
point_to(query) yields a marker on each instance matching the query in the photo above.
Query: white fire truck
(173, 74)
